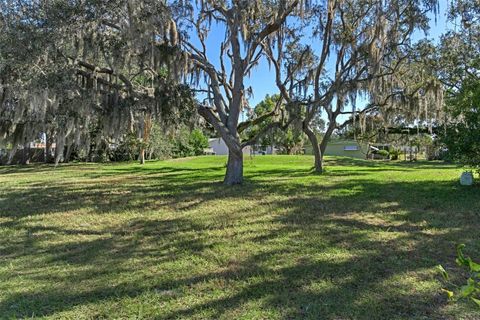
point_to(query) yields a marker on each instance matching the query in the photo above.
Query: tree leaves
(472, 288)
(103, 64)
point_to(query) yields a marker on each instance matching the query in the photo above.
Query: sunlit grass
(168, 240)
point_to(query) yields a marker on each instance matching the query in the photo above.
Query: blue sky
(262, 78)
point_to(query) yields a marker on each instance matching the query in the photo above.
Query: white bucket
(466, 179)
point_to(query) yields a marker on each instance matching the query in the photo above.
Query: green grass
(167, 240)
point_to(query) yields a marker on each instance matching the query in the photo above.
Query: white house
(218, 147)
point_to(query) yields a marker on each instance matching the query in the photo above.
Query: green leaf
(460, 257)
(449, 293)
(443, 272)
(467, 290)
(474, 267)
(477, 301)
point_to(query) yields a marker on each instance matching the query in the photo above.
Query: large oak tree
(359, 48)
(245, 25)
(87, 72)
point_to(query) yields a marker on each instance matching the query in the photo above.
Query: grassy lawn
(168, 240)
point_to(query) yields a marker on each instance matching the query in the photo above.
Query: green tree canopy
(73, 68)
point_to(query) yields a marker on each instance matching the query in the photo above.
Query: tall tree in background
(362, 46)
(246, 26)
(462, 136)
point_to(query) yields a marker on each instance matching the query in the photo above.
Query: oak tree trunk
(142, 156)
(234, 174)
(11, 155)
(147, 126)
(326, 139)
(48, 149)
(319, 148)
(318, 156)
(26, 153)
(68, 153)
(59, 153)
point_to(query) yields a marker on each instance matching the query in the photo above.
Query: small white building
(217, 146)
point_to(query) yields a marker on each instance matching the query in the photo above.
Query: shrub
(164, 145)
(395, 154)
(198, 142)
(160, 145)
(189, 143)
(383, 153)
(127, 149)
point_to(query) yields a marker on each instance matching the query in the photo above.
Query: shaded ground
(167, 240)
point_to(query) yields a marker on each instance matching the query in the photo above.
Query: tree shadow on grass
(349, 249)
(369, 283)
(102, 258)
